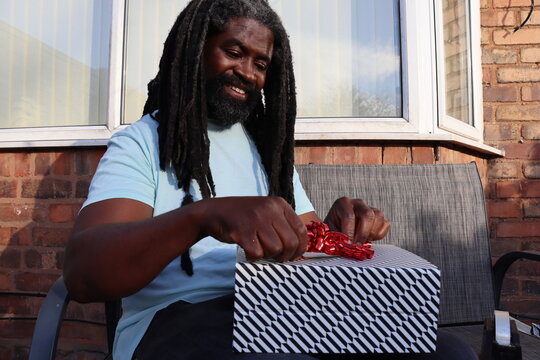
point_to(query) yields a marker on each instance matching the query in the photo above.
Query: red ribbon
(322, 240)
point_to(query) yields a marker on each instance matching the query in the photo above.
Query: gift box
(330, 304)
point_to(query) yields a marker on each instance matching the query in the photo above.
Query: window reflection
(54, 68)
(457, 63)
(346, 54)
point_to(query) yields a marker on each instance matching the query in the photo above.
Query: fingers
(270, 229)
(359, 221)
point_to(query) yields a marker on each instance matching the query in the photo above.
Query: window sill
(447, 137)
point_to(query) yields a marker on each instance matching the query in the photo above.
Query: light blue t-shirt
(130, 169)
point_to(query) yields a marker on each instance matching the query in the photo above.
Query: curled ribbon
(322, 240)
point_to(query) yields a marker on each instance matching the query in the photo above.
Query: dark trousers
(203, 331)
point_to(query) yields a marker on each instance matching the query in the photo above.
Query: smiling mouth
(236, 93)
(238, 90)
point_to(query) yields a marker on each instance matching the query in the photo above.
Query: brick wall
(511, 76)
(40, 194)
(41, 191)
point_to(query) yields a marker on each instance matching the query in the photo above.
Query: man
(207, 169)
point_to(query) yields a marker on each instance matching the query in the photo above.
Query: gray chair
(436, 211)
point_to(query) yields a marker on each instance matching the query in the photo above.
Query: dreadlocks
(178, 92)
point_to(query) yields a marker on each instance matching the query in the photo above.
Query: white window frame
(422, 115)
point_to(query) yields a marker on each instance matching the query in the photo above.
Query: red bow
(322, 240)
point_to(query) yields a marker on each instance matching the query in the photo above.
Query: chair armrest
(47, 328)
(504, 262)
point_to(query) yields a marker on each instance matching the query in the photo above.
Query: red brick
(500, 247)
(423, 155)
(518, 74)
(345, 155)
(22, 164)
(531, 208)
(501, 170)
(16, 329)
(5, 236)
(488, 113)
(531, 287)
(485, 36)
(526, 307)
(510, 3)
(81, 188)
(497, 18)
(500, 132)
(320, 155)
(530, 93)
(526, 35)
(22, 212)
(370, 155)
(5, 164)
(21, 236)
(531, 131)
(500, 94)
(510, 286)
(507, 189)
(518, 113)
(518, 229)
(42, 165)
(32, 259)
(9, 236)
(19, 305)
(527, 151)
(10, 258)
(532, 170)
(530, 54)
(46, 189)
(5, 283)
(37, 282)
(531, 245)
(528, 267)
(504, 209)
(396, 155)
(61, 213)
(51, 236)
(62, 163)
(487, 75)
(8, 188)
(301, 156)
(86, 161)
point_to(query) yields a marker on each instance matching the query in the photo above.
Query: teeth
(238, 90)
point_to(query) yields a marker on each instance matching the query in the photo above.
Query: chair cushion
(436, 211)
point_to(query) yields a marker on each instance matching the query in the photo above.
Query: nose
(246, 70)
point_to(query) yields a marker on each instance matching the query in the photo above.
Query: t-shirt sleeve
(303, 205)
(127, 169)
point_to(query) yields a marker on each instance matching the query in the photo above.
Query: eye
(261, 66)
(233, 54)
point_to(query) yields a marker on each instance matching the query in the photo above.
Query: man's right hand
(265, 227)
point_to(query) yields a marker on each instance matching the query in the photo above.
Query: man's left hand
(359, 221)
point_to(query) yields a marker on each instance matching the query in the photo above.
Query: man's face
(236, 62)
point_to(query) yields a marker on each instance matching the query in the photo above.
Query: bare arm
(117, 247)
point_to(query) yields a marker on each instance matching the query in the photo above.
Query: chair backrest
(436, 211)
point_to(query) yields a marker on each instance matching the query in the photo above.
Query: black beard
(225, 110)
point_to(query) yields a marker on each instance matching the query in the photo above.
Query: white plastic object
(502, 328)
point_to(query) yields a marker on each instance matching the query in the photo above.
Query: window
(365, 69)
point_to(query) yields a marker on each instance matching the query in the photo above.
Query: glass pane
(346, 54)
(144, 47)
(457, 59)
(55, 63)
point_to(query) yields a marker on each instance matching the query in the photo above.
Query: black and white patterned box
(388, 304)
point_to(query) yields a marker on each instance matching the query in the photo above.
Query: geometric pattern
(388, 304)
